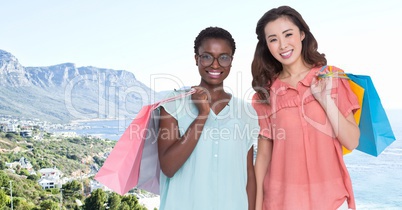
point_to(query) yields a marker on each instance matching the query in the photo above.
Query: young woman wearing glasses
(206, 140)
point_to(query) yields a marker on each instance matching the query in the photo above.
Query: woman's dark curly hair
(265, 67)
(216, 33)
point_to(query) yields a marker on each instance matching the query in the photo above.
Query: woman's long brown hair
(265, 67)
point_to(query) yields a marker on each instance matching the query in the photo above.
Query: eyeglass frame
(216, 58)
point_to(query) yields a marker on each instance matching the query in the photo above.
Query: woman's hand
(321, 89)
(201, 99)
(344, 128)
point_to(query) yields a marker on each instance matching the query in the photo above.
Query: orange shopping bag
(357, 90)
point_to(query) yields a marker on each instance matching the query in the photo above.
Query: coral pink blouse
(307, 170)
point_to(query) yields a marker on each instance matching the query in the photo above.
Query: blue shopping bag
(375, 130)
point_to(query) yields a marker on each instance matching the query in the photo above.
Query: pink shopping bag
(134, 162)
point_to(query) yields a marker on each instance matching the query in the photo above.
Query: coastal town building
(23, 163)
(50, 178)
(97, 185)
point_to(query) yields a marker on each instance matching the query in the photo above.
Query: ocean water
(377, 181)
(108, 129)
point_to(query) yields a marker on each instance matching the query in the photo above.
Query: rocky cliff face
(65, 92)
(11, 72)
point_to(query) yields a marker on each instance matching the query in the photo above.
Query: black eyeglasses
(207, 59)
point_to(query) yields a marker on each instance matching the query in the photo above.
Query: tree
(4, 199)
(44, 164)
(73, 186)
(96, 201)
(124, 206)
(24, 172)
(49, 205)
(132, 202)
(23, 204)
(33, 177)
(11, 136)
(114, 201)
(99, 160)
(18, 167)
(2, 165)
(4, 180)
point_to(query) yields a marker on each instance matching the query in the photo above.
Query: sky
(154, 39)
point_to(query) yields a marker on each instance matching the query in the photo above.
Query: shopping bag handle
(330, 73)
(186, 93)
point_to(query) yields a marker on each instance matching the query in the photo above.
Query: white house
(12, 165)
(11, 128)
(50, 178)
(50, 173)
(48, 183)
(23, 163)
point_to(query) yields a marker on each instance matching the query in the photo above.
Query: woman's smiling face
(284, 40)
(213, 74)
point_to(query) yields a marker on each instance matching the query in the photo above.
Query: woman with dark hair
(206, 140)
(304, 119)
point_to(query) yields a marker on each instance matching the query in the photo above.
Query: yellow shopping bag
(357, 90)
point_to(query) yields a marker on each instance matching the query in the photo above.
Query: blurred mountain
(64, 92)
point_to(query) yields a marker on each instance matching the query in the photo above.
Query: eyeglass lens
(224, 60)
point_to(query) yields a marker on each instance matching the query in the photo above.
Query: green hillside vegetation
(74, 157)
